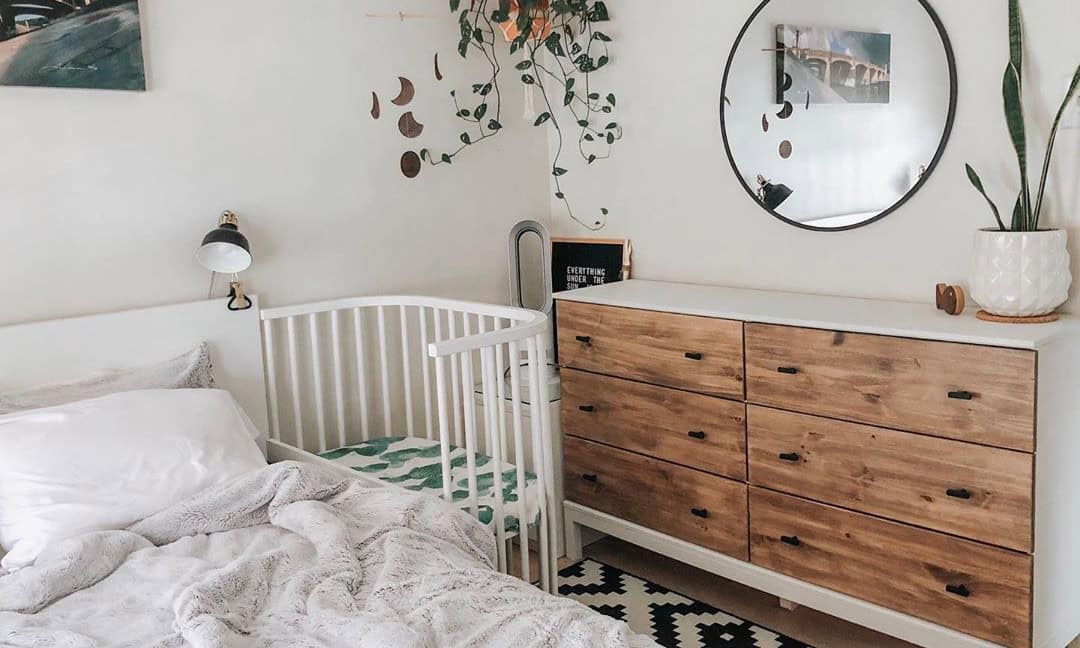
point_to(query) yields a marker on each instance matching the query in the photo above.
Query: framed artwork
(71, 44)
(819, 65)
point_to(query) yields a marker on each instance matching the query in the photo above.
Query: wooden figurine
(950, 299)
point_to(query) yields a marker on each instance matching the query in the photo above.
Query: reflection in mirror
(834, 112)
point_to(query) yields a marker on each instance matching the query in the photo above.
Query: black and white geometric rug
(673, 620)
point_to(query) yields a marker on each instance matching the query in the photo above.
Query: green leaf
(601, 62)
(584, 123)
(446, 158)
(463, 47)
(480, 111)
(424, 154)
(592, 158)
(575, 49)
(568, 99)
(1050, 144)
(611, 126)
(601, 36)
(611, 99)
(464, 112)
(500, 16)
(1016, 38)
(604, 211)
(486, 90)
(588, 137)
(465, 139)
(454, 4)
(598, 13)
(570, 83)
(1019, 223)
(554, 44)
(527, 79)
(593, 96)
(977, 183)
(544, 116)
(524, 65)
(560, 195)
(610, 138)
(606, 109)
(1014, 117)
(557, 171)
(478, 35)
(494, 125)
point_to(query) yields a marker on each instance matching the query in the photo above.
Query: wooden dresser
(879, 461)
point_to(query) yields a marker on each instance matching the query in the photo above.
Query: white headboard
(70, 349)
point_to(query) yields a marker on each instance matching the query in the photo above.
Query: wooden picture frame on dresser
(878, 461)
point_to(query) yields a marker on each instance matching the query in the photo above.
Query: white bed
(394, 568)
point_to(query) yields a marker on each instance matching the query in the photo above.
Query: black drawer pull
(693, 356)
(791, 540)
(584, 339)
(961, 395)
(791, 371)
(589, 478)
(696, 434)
(959, 493)
(587, 408)
(701, 513)
(790, 456)
(959, 590)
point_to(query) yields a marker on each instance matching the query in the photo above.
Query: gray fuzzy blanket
(291, 555)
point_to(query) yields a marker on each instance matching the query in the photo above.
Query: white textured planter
(1021, 274)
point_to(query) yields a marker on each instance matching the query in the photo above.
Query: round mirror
(835, 112)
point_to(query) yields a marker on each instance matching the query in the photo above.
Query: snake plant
(1028, 208)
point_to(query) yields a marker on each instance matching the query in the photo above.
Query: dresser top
(879, 317)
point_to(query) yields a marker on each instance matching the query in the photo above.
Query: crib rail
(467, 375)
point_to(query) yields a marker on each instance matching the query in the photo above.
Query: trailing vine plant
(561, 45)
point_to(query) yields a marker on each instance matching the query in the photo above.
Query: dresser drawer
(971, 393)
(960, 488)
(896, 566)
(697, 507)
(702, 432)
(694, 353)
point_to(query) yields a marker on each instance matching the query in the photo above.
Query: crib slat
(361, 372)
(501, 392)
(384, 372)
(538, 460)
(519, 459)
(456, 379)
(406, 371)
(316, 375)
(470, 434)
(294, 374)
(549, 483)
(444, 426)
(487, 362)
(425, 361)
(339, 383)
(271, 379)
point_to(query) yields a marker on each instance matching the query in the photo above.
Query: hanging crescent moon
(408, 91)
(409, 127)
(786, 111)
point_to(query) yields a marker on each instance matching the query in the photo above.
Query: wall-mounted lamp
(225, 250)
(772, 195)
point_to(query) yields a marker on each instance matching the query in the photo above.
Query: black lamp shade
(773, 195)
(224, 250)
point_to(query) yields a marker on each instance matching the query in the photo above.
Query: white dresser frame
(1056, 583)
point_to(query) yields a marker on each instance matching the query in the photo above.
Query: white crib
(352, 371)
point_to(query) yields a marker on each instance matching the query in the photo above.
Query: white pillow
(107, 463)
(189, 370)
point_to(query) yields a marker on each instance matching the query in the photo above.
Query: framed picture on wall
(821, 65)
(93, 44)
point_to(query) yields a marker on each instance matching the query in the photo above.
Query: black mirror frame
(945, 136)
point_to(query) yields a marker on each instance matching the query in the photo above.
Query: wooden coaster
(1001, 319)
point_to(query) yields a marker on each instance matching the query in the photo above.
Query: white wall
(259, 106)
(670, 188)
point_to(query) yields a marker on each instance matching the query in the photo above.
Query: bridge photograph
(834, 65)
(71, 44)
